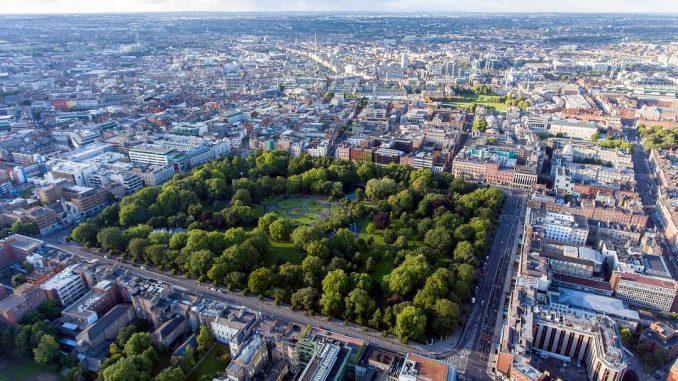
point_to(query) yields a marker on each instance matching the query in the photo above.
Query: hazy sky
(89, 6)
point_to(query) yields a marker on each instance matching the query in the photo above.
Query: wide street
(478, 336)
(266, 307)
(648, 190)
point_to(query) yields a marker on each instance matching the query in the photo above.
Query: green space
(481, 95)
(29, 350)
(400, 255)
(302, 210)
(211, 365)
(20, 370)
(612, 143)
(658, 137)
(470, 100)
(284, 252)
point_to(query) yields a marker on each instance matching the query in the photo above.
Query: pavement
(268, 308)
(472, 352)
(648, 190)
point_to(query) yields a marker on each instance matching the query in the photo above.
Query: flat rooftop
(152, 148)
(23, 243)
(599, 303)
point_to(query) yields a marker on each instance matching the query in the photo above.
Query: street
(476, 341)
(266, 307)
(648, 190)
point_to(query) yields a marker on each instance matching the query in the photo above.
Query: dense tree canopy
(28, 228)
(658, 137)
(399, 255)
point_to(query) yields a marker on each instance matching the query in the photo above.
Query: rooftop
(24, 243)
(152, 148)
(598, 303)
(66, 276)
(422, 368)
(650, 281)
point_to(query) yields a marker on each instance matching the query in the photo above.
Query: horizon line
(355, 12)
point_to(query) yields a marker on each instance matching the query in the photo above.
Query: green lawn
(384, 267)
(301, 210)
(211, 365)
(304, 219)
(286, 251)
(481, 100)
(19, 370)
(291, 203)
(378, 238)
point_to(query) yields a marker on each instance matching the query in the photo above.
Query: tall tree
(260, 280)
(410, 324)
(47, 352)
(121, 370)
(205, 338)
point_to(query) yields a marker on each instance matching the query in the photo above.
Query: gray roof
(98, 327)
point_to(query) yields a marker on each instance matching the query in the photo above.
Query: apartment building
(420, 368)
(16, 248)
(502, 163)
(385, 156)
(88, 201)
(343, 151)
(25, 298)
(155, 174)
(151, 154)
(233, 327)
(45, 218)
(561, 228)
(328, 364)
(249, 361)
(361, 155)
(573, 128)
(573, 261)
(661, 336)
(66, 287)
(93, 305)
(591, 210)
(643, 291)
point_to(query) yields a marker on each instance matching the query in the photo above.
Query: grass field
(211, 366)
(285, 251)
(18, 370)
(384, 267)
(302, 210)
(481, 100)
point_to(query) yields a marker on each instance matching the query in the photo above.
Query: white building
(320, 149)
(562, 228)
(72, 171)
(643, 291)
(573, 129)
(233, 327)
(151, 154)
(66, 286)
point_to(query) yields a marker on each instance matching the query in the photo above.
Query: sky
(118, 6)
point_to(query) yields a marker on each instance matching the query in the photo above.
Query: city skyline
(383, 6)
